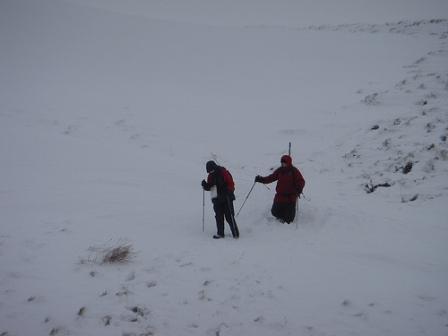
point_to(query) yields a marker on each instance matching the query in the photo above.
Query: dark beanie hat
(211, 166)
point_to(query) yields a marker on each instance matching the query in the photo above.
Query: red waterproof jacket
(290, 182)
(223, 180)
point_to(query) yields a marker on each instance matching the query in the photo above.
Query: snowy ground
(109, 111)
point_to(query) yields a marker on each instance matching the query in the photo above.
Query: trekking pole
(203, 210)
(253, 185)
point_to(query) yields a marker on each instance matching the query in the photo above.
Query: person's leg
(277, 211)
(230, 218)
(290, 212)
(219, 216)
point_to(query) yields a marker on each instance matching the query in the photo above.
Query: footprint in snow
(205, 269)
(422, 86)
(123, 292)
(186, 264)
(58, 331)
(151, 284)
(426, 298)
(69, 130)
(139, 311)
(420, 60)
(120, 123)
(442, 313)
(361, 315)
(218, 330)
(346, 303)
(130, 318)
(131, 276)
(106, 320)
(82, 311)
(35, 299)
(202, 296)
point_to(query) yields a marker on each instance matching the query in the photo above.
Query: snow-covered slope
(280, 12)
(109, 111)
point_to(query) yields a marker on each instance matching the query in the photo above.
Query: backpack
(228, 180)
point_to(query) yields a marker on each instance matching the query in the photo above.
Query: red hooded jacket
(290, 182)
(223, 180)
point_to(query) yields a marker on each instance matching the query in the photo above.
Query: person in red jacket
(220, 183)
(290, 184)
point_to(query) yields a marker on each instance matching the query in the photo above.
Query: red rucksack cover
(228, 180)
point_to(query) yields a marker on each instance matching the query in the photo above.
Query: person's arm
(267, 179)
(207, 185)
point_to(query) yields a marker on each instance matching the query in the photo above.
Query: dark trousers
(224, 209)
(284, 212)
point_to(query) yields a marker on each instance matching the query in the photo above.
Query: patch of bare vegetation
(120, 252)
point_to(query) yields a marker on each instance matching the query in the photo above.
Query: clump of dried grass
(118, 253)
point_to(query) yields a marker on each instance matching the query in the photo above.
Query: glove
(258, 178)
(204, 184)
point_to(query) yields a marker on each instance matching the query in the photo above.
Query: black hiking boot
(236, 234)
(218, 237)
